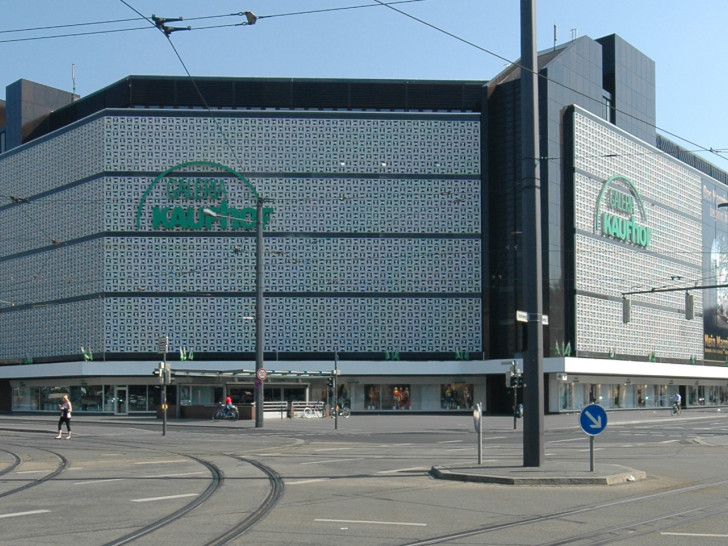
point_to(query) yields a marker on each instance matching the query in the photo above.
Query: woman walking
(65, 407)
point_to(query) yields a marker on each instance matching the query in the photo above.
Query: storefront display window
(25, 398)
(372, 399)
(90, 398)
(137, 398)
(456, 396)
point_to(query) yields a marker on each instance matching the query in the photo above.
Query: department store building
(391, 223)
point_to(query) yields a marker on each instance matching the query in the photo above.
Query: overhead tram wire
(711, 150)
(719, 152)
(144, 18)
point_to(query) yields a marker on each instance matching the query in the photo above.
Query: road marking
(333, 461)
(31, 471)
(332, 449)
(152, 499)
(16, 514)
(100, 481)
(402, 470)
(568, 440)
(163, 462)
(707, 535)
(668, 441)
(451, 442)
(299, 482)
(371, 522)
(175, 475)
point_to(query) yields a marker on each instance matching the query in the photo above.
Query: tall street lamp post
(258, 398)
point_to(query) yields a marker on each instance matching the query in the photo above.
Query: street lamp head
(722, 205)
(208, 212)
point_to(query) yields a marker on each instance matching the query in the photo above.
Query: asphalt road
(120, 481)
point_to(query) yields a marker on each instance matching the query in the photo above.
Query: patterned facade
(375, 244)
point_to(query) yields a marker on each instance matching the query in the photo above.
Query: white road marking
(299, 482)
(332, 449)
(16, 514)
(100, 481)
(371, 522)
(31, 471)
(668, 441)
(333, 461)
(163, 462)
(451, 442)
(175, 475)
(152, 499)
(402, 470)
(567, 440)
(708, 535)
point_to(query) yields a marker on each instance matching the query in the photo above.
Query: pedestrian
(66, 408)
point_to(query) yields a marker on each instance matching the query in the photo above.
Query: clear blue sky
(687, 40)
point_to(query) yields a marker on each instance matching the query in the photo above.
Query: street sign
(593, 419)
(261, 374)
(477, 416)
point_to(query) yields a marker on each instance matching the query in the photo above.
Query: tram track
(15, 463)
(607, 534)
(216, 481)
(63, 464)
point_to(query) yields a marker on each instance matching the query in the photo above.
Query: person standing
(66, 408)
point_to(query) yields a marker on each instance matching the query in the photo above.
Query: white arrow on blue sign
(593, 419)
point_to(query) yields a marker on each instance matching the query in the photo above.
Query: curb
(627, 476)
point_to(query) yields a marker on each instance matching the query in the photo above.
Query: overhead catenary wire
(717, 151)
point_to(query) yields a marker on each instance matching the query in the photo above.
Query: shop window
(456, 396)
(372, 399)
(90, 398)
(396, 397)
(137, 398)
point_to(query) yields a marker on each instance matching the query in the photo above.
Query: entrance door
(122, 403)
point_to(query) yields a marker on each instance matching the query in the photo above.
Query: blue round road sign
(593, 419)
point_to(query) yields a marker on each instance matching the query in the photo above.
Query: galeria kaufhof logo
(176, 198)
(620, 213)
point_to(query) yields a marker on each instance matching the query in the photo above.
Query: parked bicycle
(230, 415)
(314, 410)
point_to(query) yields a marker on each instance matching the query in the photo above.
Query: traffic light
(330, 382)
(164, 373)
(626, 310)
(689, 306)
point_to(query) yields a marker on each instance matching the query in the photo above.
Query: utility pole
(259, 312)
(533, 397)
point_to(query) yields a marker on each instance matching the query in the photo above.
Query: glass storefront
(88, 398)
(573, 396)
(411, 396)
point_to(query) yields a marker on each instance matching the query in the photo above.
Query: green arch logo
(614, 216)
(176, 202)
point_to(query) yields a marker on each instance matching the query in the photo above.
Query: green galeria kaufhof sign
(175, 200)
(620, 213)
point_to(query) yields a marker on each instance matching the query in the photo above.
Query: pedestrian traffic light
(330, 382)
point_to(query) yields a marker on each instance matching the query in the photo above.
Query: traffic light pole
(336, 390)
(164, 402)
